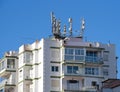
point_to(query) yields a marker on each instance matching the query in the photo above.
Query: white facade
(8, 72)
(52, 65)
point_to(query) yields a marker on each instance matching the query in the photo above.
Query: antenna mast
(64, 31)
(70, 28)
(53, 22)
(82, 28)
(55, 26)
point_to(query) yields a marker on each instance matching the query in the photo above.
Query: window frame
(91, 70)
(74, 54)
(73, 70)
(55, 68)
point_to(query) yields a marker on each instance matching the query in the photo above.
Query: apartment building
(8, 72)
(62, 63)
(71, 65)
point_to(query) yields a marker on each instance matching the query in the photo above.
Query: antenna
(82, 27)
(64, 31)
(58, 27)
(53, 22)
(52, 15)
(70, 28)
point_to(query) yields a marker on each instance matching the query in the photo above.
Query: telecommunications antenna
(82, 28)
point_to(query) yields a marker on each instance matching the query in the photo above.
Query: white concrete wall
(40, 67)
(20, 87)
(88, 81)
(107, 90)
(112, 63)
(21, 60)
(45, 51)
(116, 89)
(46, 66)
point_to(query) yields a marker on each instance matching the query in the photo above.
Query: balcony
(74, 59)
(93, 60)
(6, 70)
(76, 73)
(7, 82)
(83, 59)
(83, 89)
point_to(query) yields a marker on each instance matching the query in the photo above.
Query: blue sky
(24, 21)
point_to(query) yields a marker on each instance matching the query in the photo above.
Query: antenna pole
(82, 27)
(53, 22)
(64, 32)
(70, 28)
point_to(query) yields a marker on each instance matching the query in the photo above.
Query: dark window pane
(52, 68)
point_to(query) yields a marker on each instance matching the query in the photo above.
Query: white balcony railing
(11, 66)
(83, 59)
(83, 89)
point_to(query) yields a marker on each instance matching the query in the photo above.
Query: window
(69, 54)
(74, 54)
(28, 56)
(92, 71)
(72, 69)
(94, 83)
(54, 68)
(10, 63)
(79, 52)
(91, 53)
(91, 56)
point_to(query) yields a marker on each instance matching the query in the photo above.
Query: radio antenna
(70, 28)
(82, 28)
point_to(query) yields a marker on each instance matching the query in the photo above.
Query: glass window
(54, 68)
(28, 57)
(10, 63)
(79, 52)
(69, 51)
(72, 69)
(93, 83)
(68, 57)
(91, 53)
(91, 56)
(75, 69)
(69, 69)
(76, 54)
(92, 71)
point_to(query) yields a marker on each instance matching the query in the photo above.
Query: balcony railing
(6, 81)
(11, 66)
(90, 59)
(73, 73)
(83, 59)
(8, 67)
(84, 89)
